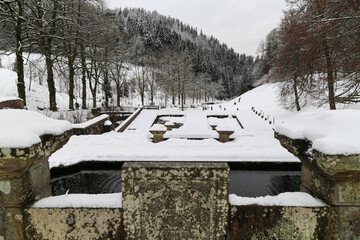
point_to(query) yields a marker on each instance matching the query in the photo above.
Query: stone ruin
(179, 201)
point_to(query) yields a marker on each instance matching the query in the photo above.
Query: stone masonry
(334, 179)
(24, 178)
(175, 200)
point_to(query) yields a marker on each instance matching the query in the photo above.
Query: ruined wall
(92, 127)
(74, 223)
(277, 222)
(24, 178)
(336, 180)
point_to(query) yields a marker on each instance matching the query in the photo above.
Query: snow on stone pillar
(175, 200)
(27, 140)
(169, 125)
(158, 131)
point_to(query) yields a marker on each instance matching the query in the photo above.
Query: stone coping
(329, 164)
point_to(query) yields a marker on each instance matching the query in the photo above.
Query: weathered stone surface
(12, 103)
(333, 178)
(13, 217)
(343, 223)
(79, 224)
(24, 178)
(336, 180)
(276, 222)
(173, 200)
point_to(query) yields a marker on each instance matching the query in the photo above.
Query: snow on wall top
(110, 200)
(91, 122)
(23, 128)
(331, 132)
(293, 199)
(3, 99)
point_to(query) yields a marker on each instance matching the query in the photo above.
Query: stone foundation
(175, 200)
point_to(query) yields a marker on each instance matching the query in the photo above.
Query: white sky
(241, 24)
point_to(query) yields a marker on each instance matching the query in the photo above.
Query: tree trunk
(142, 99)
(71, 83)
(94, 98)
(296, 94)
(118, 93)
(19, 55)
(51, 82)
(330, 78)
(83, 77)
(173, 97)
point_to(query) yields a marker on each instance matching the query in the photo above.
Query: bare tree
(12, 12)
(141, 78)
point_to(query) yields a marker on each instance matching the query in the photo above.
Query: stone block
(277, 222)
(175, 200)
(15, 103)
(333, 178)
(73, 223)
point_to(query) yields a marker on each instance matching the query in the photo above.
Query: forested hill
(116, 52)
(151, 34)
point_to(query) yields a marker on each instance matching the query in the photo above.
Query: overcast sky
(241, 24)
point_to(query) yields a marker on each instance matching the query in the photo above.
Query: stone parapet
(175, 200)
(74, 223)
(277, 222)
(333, 178)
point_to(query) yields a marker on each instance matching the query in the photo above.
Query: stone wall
(24, 178)
(336, 180)
(92, 127)
(277, 222)
(74, 223)
(175, 200)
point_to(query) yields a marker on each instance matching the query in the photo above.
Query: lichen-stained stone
(74, 223)
(336, 180)
(175, 200)
(24, 178)
(277, 222)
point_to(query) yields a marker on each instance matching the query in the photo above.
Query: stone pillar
(213, 126)
(169, 126)
(224, 135)
(175, 200)
(24, 178)
(336, 180)
(158, 131)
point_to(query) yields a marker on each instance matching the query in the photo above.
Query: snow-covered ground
(254, 143)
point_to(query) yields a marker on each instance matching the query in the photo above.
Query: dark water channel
(243, 182)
